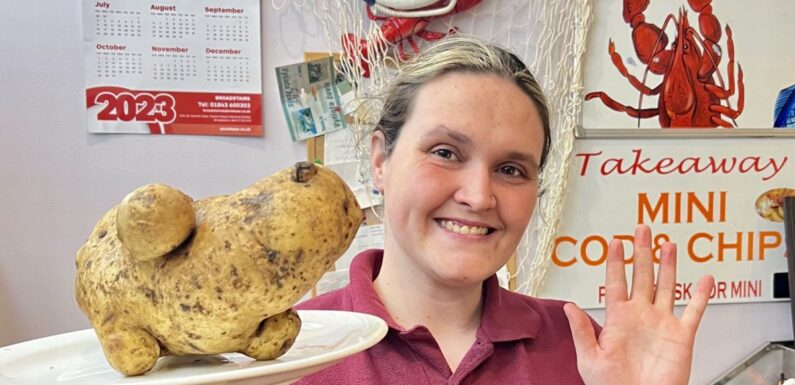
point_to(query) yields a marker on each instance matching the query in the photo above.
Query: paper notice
(368, 237)
(311, 98)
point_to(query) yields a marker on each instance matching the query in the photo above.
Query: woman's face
(469, 138)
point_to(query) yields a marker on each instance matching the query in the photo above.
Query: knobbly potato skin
(229, 285)
(153, 220)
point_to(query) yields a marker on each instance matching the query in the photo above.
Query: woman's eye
(512, 171)
(443, 153)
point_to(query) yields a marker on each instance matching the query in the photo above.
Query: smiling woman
(451, 158)
(457, 153)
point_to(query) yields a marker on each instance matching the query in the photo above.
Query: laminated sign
(313, 96)
(720, 201)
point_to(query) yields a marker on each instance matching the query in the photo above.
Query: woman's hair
(456, 53)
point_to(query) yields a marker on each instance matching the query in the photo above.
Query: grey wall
(56, 180)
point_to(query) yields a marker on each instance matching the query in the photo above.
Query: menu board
(181, 67)
(719, 200)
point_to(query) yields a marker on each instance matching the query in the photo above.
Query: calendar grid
(113, 64)
(228, 69)
(174, 67)
(113, 23)
(173, 26)
(226, 28)
(166, 29)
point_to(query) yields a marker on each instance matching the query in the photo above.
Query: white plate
(76, 358)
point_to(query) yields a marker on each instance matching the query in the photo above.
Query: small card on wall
(181, 67)
(313, 97)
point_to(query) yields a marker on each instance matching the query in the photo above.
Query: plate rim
(379, 331)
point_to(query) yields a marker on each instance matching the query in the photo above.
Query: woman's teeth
(455, 228)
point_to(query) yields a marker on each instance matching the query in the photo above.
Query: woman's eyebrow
(461, 139)
(522, 157)
(442, 130)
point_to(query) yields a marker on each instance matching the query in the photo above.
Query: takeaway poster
(720, 200)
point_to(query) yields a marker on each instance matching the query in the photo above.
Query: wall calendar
(180, 67)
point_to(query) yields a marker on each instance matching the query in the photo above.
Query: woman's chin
(463, 277)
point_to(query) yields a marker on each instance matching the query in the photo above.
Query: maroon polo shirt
(521, 340)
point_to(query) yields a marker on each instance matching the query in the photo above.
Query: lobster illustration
(397, 30)
(688, 95)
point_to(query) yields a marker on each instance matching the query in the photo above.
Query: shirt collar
(506, 317)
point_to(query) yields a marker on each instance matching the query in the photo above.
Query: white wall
(56, 180)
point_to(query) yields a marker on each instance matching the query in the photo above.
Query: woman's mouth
(458, 228)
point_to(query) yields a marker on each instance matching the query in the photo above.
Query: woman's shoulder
(550, 311)
(538, 304)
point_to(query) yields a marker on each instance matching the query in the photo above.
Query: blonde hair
(456, 53)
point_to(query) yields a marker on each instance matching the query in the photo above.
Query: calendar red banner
(198, 113)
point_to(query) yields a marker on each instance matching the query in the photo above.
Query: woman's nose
(475, 189)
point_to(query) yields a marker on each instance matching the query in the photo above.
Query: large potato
(219, 280)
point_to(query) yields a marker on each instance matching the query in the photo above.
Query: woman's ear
(378, 159)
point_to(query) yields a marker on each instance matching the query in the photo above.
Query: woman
(456, 154)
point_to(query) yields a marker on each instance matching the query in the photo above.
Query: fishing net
(549, 35)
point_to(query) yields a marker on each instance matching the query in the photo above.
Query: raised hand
(642, 342)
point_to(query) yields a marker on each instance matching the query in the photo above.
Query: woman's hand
(642, 342)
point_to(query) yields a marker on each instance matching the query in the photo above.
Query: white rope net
(549, 35)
